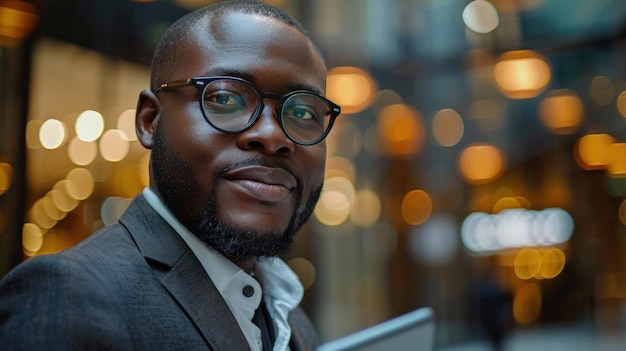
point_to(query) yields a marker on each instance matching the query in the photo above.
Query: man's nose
(266, 134)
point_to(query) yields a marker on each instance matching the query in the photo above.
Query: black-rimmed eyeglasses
(233, 105)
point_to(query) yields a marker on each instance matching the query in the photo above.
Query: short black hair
(178, 33)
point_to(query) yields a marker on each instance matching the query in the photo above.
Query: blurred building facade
(479, 167)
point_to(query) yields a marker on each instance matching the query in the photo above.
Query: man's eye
(224, 98)
(300, 113)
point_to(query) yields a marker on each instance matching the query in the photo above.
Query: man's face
(244, 194)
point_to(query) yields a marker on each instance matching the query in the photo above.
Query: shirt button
(248, 291)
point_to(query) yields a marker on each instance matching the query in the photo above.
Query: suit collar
(184, 277)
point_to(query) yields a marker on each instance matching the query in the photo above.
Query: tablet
(412, 331)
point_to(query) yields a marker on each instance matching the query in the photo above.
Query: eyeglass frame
(201, 83)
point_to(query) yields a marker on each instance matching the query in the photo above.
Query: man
(236, 122)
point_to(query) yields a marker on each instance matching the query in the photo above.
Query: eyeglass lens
(232, 106)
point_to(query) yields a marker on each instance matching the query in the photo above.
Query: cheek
(315, 167)
(194, 141)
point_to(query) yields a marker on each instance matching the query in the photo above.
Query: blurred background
(479, 166)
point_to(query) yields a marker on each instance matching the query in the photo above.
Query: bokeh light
(401, 129)
(448, 127)
(527, 263)
(366, 208)
(592, 151)
(112, 208)
(335, 202)
(304, 269)
(89, 125)
(80, 183)
(482, 232)
(617, 160)
(351, 88)
(61, 198)
(506, 203)
(522, 74)
(39, 216)
(113, 145)
(6, 177)
(340, 167)
(52, 134)
(561, 111)
(126, 123)
(82, 152)
(527, 304)
(416, 207)
(481, 163)
(32, 237)
(480, 16)
(602, 90)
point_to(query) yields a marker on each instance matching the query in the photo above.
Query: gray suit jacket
(134, 285)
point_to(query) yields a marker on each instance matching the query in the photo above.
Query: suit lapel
(185, 280)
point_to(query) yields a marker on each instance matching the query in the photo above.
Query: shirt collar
(219, 268)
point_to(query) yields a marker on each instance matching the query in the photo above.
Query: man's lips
(264, 183)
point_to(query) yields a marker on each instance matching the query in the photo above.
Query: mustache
(259, 161)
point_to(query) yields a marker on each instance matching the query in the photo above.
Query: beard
(175, 183)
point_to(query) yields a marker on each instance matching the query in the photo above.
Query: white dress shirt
(282, 290)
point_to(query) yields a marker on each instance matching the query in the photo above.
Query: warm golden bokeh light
(32, 237)
(39, 216)
(617, 160)
(50, 208)
(82, 152)
(366, 208)
(527, 304)
(89, 125)
(17, 20)
(545, 263)
(335, 202)
(416, 207)
(480, 16)
(552, 263)
(448, 127)
(527, 263)
(304, 269)
(481, 163)
(505, 203)
(401, 130)
(61, 198)
(351, 88)
(80, 183)
(6, 177)
(52, 134)
(126, 123)
(602, 90)
(522, 74)
(561, 111)
(591, 151)
(113, 145)
(340, 167)
(128, 180)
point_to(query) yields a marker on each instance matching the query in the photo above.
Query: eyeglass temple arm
(173, 85)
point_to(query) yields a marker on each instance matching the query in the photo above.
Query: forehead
(264, 49)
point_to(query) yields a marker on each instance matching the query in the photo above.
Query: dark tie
(264, 322)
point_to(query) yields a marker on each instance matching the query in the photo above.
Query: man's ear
(146, 118)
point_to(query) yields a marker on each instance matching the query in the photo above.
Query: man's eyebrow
(251, 78)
